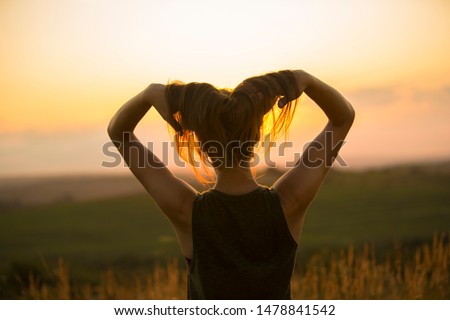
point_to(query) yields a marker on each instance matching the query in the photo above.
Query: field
(82, 242)
(346, 275)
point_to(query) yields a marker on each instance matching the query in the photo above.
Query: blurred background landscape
(74, 226)
(98, 223)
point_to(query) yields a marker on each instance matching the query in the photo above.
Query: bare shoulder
(293, 212)
(178, 206)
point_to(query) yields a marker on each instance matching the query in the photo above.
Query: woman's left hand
(156, 94)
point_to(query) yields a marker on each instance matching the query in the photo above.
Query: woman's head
(222, 126)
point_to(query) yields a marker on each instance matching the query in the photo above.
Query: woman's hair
(220, 127)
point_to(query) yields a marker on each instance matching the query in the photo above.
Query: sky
(67, 66)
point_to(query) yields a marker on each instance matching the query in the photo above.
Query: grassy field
(404, 204)
(348, 274)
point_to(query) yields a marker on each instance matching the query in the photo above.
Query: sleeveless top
(243, 248)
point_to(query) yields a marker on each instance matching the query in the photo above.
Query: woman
(239, 238)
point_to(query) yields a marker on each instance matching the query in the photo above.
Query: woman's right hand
(303, 79)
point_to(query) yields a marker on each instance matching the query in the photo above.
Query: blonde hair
(221, 127)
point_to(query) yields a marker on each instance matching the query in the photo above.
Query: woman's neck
(235, 181)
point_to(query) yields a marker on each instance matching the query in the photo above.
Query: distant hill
(23, 191)
(19, 192)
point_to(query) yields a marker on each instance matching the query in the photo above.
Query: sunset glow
(67, 66)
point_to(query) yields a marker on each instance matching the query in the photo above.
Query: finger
(282, 102)
(174, 124)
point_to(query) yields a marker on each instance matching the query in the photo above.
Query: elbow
(346, 118)
(347, 121)
(112, 131)
(114, 135)
(351, 114)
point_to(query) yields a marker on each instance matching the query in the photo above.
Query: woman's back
(242, 247)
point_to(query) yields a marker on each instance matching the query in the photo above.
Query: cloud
(375, 96)
(66, 151)
(438, 98)
(390, 96)
(42, 153)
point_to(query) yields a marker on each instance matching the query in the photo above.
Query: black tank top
(242, 247)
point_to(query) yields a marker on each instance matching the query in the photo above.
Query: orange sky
(68, 65)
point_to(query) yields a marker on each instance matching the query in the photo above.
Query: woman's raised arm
(299, 185)
(172, 195)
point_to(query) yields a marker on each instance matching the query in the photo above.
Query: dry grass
(349, 275)
(346, 275)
